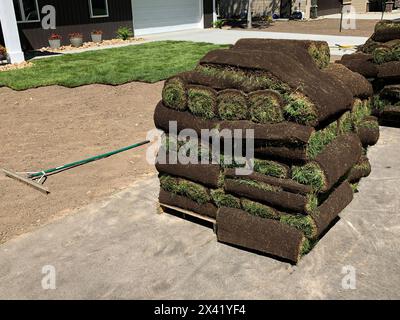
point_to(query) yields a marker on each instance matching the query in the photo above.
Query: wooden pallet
(166, 208)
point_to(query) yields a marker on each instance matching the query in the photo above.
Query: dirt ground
(364, 28)
(46, 127)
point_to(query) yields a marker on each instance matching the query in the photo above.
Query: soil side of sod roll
(322, 89)
(386, 30)
(306, 52)
(360, 63)
(361, 170)
(207, 209)
(358, 85)
(389, 70)
(207, 174)
(286, 184)
(338, 158)
(368, 131)
(284, 132)
(282, 152)
(279, 199)
(339, 199)
(242, 229)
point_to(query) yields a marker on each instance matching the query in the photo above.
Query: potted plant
(76, 39)
(55, 41)
(96, 36)
(3, 53)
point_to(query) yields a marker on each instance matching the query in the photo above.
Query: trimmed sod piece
(265, 106)
(232, 105)
(202, 101)
(174, 94)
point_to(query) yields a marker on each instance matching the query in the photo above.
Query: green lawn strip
(192, 190)
(149, 62)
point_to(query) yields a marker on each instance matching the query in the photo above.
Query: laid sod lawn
(149, 62)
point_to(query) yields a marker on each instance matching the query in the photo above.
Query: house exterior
(83, 16)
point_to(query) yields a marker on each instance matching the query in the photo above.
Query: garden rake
(37, 178)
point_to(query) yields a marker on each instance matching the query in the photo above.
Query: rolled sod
(361, 63)
(320, 88)
(301, 110)
(232, 105)
(225, 77)
(284, 184)
(391, 92)
(284, 132)
(222, 199)
(386, 30)
(206, 174)
(266, 106)
(302, 50)
(330, 165)
(359, 85)
(338, 199)
(186, 188)
(369, 46)
(202, 101)
(368, 131)
(305, 224)
(174, 94)
(360, 170)
(242, 229)
(382, 54)
(206, 209)
(271, 168)
(389, 70)
(270, 195)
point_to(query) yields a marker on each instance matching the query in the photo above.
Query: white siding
(152, 16)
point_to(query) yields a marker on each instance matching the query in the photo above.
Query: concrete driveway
(121, 248)
(220, 36)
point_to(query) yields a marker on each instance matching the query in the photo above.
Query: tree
(249, 18)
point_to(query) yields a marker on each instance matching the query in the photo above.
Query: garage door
(153, 16)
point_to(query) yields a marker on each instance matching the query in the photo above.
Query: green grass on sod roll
(361, 109)
(259, 185)
(232, 105)
(221, 199)
(251, 80)
(174, 94)
(305, 224)
(320, 54)
(309, 174)
(148, 62)
(202, 102)
(300, 109)
(382, 54)
(193, 191)
(265, 108)
(270, 168)
(320, 139)
(258, 209)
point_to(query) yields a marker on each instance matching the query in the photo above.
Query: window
(26, 10)
(98, 8)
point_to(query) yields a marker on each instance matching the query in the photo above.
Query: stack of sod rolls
(379, 61)
(306, 118)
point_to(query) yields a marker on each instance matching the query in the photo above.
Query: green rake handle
(81, 162)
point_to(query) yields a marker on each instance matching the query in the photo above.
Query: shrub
(218, 24)
(124, 33)
(75, 35)
(55, 36)
(3, 51)
(99, 32)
